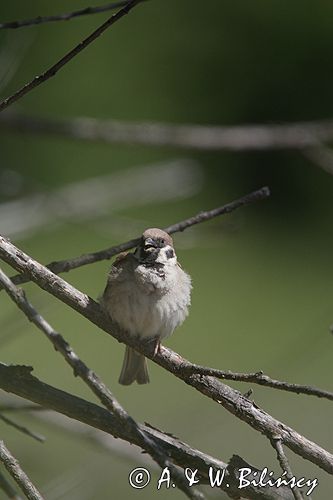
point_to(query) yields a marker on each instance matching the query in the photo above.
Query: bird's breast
(148, 306)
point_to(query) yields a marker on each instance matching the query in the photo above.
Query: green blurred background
(262, 277)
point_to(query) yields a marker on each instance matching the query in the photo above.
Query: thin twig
(66, 265)
(261, 379)
(7, 488)
(67, 57)
(63, 17)
(14, 469)
(224, 395)
(284, 464)
(252, 137)
(94, 382)
(22, 429)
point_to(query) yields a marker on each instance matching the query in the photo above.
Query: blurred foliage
(262, 277)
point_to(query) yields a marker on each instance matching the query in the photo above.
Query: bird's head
(156, 247)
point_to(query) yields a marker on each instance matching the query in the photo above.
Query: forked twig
(259, 378)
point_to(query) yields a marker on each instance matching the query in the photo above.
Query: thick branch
(229, 398)
(66, 265)
(95, 384)
(63, 17)
(19, 380)
(67, 57)
(299, 135)
(14, 469)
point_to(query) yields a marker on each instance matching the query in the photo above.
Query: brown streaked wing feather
(120, 258)
(121, 261)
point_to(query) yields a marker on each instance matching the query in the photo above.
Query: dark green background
(262, 278)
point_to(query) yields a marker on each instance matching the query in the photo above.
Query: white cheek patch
(166, 254)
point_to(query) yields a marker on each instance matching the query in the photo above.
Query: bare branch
(63, 17)
(261, 379)
(236, 464)
(95, 383)
(66, 265)
(224, 395)
(19, 380)
(7, 488)
(261, 137)
(14, 469)
(283, 461)
(22, 429)
(68, 57)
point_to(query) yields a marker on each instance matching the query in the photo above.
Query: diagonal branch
(63, 17)
(95, 384)
(67, 57)
(284, 464)
(7, 488)
(22, 429)
(261, 379)
(19, 380)
(66, 265)
(14, 469)
(229, 398)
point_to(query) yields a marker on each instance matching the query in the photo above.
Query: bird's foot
(157, 346)
(154, 343)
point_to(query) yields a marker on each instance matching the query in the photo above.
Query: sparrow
(148, 295)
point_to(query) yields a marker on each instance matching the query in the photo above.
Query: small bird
(147, 295)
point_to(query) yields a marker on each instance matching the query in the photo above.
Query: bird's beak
(149, 242)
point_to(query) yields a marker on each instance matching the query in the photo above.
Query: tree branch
(261, 379)
(7, 488)
(19, 380)
(230, 399)
(284, 464)
(67, 57)
(66, 265)
(97, 386)
(14, 469)
(261, 137)
(63, 17)
(22, 429)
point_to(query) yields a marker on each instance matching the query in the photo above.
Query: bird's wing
(120, 267)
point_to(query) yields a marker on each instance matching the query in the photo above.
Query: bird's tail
(134, 368)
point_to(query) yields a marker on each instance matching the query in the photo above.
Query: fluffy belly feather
(146, 315)
(147, 302)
